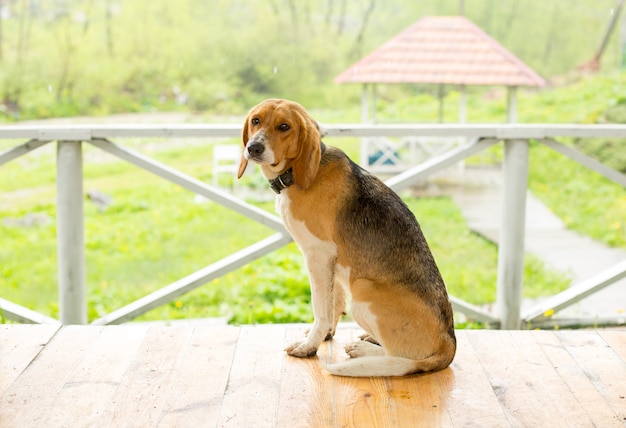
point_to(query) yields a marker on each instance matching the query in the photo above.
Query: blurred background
(87, 57)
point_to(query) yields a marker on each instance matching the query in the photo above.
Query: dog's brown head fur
(278, 135)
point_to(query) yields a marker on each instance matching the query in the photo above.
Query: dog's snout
(256, 149)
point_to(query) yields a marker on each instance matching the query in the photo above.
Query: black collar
(281, 182)
(285, 179)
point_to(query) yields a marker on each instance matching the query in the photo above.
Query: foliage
(81, 57)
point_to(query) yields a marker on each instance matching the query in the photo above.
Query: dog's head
(278, 135)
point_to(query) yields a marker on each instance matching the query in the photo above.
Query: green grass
(602, 216)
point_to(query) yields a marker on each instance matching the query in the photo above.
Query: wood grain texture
(472, 400)
(255, 377)
(200, 378)
(142, 394)
(306, 389)
(45, 377)
(142, 375)
(590, 408)
(19, 345)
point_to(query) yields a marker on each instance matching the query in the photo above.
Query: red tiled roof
(442, 49)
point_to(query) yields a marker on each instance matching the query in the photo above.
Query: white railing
(70, 239)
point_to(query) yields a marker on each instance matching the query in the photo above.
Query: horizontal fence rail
(71, 246)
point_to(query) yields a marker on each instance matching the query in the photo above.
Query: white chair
(226, 158)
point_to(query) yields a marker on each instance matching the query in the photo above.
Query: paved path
(547, 237)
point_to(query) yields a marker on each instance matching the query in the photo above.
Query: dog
(358, 237)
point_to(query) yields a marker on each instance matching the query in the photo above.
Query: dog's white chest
(282, 208)
(310, 244)
(301, 234)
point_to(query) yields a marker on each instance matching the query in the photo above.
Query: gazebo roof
(442, 49)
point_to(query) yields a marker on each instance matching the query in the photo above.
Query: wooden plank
(472, 397)
(604, 368)
(195, 392)
(19, 345)
(36, 388)
(616, 340)
(306, 389)
(359, 402)
(91, 386)
(21, 314)
(252, 394)
(520, 373)
(591, 409)
(420, 400)
(501, 131)
(20, 150)
(554, 388)
(140, 398)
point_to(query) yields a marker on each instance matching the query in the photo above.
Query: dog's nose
(256, 149)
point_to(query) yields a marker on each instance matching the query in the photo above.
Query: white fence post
(70, 233)
(511, 242)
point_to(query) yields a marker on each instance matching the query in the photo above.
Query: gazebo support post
(373, 107)
(368, 115)
(365, 110)
(440, 94)
(511, 104)
(463, 105)
(364, 105)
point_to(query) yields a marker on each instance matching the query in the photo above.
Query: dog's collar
(281, 182)
(285, 179)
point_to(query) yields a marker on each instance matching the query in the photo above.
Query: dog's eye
(284, 127)
(255, 121)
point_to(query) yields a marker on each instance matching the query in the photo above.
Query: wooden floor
(208, 376)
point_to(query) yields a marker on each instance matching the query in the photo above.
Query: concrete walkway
(578, 256)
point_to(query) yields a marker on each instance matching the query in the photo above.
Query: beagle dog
(358, 237)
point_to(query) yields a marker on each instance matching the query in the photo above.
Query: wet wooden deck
(221, 376)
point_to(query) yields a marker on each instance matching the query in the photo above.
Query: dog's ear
(307, 163)
(243, 163)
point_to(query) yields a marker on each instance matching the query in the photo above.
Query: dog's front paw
(328, 337)
(301, 349)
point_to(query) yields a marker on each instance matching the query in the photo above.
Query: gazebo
(443, 50)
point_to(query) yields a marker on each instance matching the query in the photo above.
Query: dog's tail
(388, 366)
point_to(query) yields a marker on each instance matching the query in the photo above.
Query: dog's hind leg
(369, 338)
(339, 306)
(363, 348)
